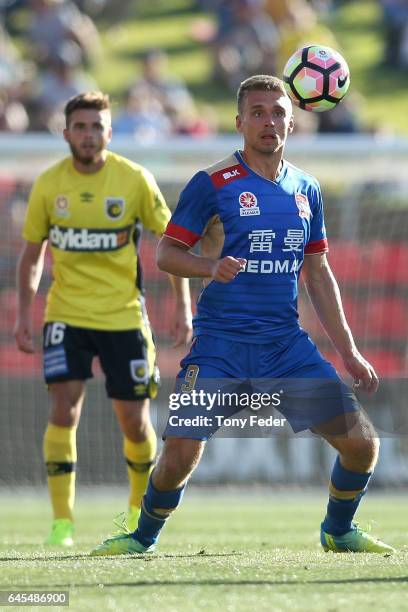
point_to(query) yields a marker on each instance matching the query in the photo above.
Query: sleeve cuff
(318, 246)
(181, 234)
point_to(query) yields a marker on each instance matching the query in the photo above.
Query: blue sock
(156, 508)
(346, 490)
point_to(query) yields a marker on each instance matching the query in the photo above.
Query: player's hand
(23, 336)
(365, 377)
(226, 269)
(181, 328)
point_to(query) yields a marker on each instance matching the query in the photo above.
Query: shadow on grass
(222, 583)
(47, 557)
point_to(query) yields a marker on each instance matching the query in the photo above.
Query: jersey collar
(279, 178)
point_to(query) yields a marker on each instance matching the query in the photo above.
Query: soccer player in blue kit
(260, 221)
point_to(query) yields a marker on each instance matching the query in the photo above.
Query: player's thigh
(178, 459)
(128, 360)
(311, 391)
(216, 357)
(66, 402)
(207, 387)
(67, 352)
(134, 418)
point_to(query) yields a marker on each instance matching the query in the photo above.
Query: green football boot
(61, 533)
(121, 543)
(355, 540)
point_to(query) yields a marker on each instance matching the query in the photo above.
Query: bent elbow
(160, 259)
(163, 256)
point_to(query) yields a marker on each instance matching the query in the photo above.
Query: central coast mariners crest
(139, 370)
(114, 208)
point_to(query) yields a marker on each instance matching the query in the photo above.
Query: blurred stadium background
(360, 156)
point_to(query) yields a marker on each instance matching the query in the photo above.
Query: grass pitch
(235, 552)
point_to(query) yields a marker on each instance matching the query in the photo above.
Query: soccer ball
(316, 78)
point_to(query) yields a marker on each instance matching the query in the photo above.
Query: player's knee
(65, 414)
(367, 453)
(361, 454)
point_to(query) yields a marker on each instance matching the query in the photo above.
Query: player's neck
(269, 166)
(90, 168)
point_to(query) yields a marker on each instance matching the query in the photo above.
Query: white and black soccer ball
(316, 78)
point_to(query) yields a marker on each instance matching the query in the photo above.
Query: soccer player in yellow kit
(90, 208)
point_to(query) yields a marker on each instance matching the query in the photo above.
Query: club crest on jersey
(114, 208)
(303, 205)
(139, 370)
(61, 205)
(249, 204)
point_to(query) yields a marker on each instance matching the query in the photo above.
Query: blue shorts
(306, 388)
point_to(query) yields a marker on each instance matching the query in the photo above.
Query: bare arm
(29, 271)
(181, 328)
(325, 296)
(174, 257)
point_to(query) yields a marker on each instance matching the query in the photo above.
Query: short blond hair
(259, 82)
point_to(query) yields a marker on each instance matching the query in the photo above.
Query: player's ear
(65, 133)
(238, 123)
(291, 124)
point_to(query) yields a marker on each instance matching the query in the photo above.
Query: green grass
(232, 552)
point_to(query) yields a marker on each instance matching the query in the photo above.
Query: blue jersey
(234, 211)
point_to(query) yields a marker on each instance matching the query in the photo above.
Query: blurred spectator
(246, 42)
(13, 115)
(168, 90)
(63, 79)
(396, 32)
(56, 22)
(189, 121)
(298, 26)
(143, 117)
(343, 119)
(157, 95)
(13, 75)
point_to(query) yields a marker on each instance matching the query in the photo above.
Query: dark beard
(86, 161)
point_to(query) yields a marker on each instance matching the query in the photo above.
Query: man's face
(265, 120)
(88, 134)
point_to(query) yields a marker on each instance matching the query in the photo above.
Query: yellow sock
(140, 460)
(60, 456)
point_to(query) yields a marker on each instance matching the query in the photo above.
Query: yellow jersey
(93, 223)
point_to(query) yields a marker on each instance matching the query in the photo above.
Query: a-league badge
(114, 208)
(249, 204)
(61, 206)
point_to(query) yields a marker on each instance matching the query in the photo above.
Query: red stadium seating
(372, 263)
(14, 363)
(8, 307)
(148, 260)
(385, 318)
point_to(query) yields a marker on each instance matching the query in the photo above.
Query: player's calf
(163, 495)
